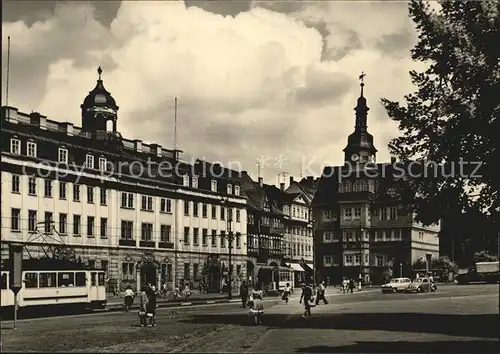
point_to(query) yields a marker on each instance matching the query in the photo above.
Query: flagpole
(8, 72)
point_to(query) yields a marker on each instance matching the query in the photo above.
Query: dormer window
(213, 185)
(63, 155)
(195, 181)
(229, 189)
(89, 161)
(31, 149)
(102, 163)
(236, 190)
(15, 146)
(185, 181)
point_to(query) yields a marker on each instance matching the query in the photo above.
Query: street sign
(16, 258)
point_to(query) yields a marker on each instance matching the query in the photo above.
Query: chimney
(138, 145)
(68, 128)
(291, 179)
(393, 160)
(244, 173)
(310, 178)
(37, 119)
(261, 181)
(282, 187)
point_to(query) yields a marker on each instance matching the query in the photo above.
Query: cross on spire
(99, 71)
(361, 78)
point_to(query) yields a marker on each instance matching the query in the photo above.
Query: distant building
(361, 230)
(115, 201)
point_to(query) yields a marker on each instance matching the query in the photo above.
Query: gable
(300, 200)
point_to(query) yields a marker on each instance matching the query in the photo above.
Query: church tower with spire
(360, 148)
(98, 109)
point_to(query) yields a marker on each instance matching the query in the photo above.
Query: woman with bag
(151, 307)
(257, 309)
(143, 305)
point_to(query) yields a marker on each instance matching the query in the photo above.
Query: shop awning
(296, 267)
(306, 267)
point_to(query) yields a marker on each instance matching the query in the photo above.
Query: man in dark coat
(244, 294)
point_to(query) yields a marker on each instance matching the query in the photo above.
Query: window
(146, 231)
(90, 225)
(47, 280)
(63, 155)
(223, 238)
(396, 234)
(195, 208)
(378, 235)
(105, 266)
(393, 213)
(62, 190)
(238, 216)
(348, 259)
(222, 213)
(31, 280)
(48, 222)
(214, 212)
(102, 164)
(347, 213)
(16, 219)
(127, 230)
(65, 279)
(357, 213)
(90, 195)
(327, 237)
(236, 190)
(16, 183)
(186, 235)
(104, 196)
(104, 228)
(195, 181)
(76, 193)
(89, 161)
(214, 235)
(169, 272)
(238, 269)
(63, 221)
(204, 211)
(196, 235)
(80, 279)
(32, 186)
(15, 146)
(185, 181)
(383, 214)
(165, 233)
(147, 203)
(327, 260)
(76, 224)
(348, 236)
(379, 261)
(165, 205)
(186, 208)
(128, 270)
(213, 185)
(204, 236)
(186, 271)
(31, 151)
(367, 259)
(32, 220)
(48, 188)
(357, 259)
(229, 189)
(127, 200)
(238, 240)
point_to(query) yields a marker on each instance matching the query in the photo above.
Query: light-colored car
(395, 285)
(421, 285)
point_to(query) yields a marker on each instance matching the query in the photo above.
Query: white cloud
(247, 85)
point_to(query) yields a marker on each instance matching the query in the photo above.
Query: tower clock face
(354, 157)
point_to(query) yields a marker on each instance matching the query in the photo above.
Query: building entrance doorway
(149, 274)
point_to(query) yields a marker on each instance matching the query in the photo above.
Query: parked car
(395, 285)
(421, 285)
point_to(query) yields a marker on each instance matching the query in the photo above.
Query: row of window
(358, 186)
(62, 279)
(266, 221)
(192, 181)
(300, 212)
(349, 236)
(354, 260)
(264, 241)
(224, 237)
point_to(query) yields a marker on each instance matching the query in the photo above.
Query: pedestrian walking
(151, 307)
(351, 285)
(143, 307)
(321, 294)
(187, 291)
(257, 309)
(244, 294)
(345, 283)
(307, 297)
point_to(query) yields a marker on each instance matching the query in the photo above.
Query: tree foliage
(453, 114)
(484, 256)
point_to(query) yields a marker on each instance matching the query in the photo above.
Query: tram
(285, 276)
(71, 288)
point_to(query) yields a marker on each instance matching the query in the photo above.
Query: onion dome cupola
(360, 148)
(98, 109)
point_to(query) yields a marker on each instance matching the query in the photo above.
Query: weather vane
(99, 71)
(362, 76)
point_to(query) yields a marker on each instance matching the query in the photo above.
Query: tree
(484, 256)
(450, 123)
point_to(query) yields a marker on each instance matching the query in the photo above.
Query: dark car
(421, 285)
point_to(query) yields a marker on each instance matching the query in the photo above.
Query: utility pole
(230, 237)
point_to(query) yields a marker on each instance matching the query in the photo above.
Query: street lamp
(361, 230)
(230, 237)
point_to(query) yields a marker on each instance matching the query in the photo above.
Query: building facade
(361, 230)
(133, 209)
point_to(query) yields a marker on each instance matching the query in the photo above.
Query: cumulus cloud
(250, 85)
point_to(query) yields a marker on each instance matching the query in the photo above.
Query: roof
(99, 96)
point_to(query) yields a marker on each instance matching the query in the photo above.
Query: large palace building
(134, 209)
(361, 229)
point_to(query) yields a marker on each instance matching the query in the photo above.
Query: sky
(274, 82)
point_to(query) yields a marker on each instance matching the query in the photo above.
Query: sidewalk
(196, 296)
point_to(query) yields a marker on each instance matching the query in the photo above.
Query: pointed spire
(99, 71)
(361, 78)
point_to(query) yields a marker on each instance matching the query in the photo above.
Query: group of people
(310, 299)
(348, 285)
(147, 309)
